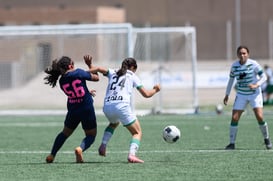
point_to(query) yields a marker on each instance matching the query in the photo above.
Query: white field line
(147, 152)
(39, 124)
(36, 124)
(60, 123)
(30, 112)
(26, 112)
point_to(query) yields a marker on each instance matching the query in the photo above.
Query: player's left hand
(253, 86)
(157, 87)
(93, 92)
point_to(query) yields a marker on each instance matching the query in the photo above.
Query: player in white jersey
(117, 104)
(249, 76)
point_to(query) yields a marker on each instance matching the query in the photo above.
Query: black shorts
(86, 117)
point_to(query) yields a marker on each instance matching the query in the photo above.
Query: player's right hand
(225, 101)
(88, 60)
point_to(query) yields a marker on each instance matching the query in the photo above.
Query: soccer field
(198, 155)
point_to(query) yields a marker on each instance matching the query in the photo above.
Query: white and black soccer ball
(219, 109)
(171, 134)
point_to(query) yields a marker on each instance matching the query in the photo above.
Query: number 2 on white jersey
(116, 82)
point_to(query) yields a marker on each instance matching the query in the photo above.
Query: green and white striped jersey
(248, 73)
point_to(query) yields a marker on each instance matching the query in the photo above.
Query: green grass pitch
(198, 155)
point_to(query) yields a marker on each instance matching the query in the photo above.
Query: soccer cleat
(134, 159)
(78, 153)
(268, 143)
(49, 159)
(102, 150)
(231, 146)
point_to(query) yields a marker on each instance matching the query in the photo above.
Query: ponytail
(57, 68)
(126, 64)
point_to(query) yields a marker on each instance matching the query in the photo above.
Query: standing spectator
(79, 104)
(250, 76)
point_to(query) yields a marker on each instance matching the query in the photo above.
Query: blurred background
(187, 45)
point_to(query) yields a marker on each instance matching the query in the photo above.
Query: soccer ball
(171, 134)
(219, 108)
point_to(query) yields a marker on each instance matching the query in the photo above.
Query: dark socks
(87, 142)
(59, 141)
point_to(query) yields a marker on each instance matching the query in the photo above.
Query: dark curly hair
(57, 68)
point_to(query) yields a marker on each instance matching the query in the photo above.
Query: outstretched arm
(88, 62)
(93, 69)
(101, 70)
(149, 93)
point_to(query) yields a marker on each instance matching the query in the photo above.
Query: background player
(250, 76)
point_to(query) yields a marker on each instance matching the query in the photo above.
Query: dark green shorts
(269, 89)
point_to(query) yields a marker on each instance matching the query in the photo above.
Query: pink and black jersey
(74, 86)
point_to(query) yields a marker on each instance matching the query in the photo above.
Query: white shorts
(254, 100)
(119, 113)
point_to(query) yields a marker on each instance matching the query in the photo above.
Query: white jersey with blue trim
(120, 89)
(246, 74)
